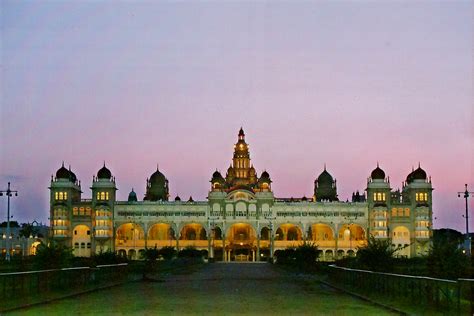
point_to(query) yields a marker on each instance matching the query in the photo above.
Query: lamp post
(8, 192)
(271, 219)
(466, 195)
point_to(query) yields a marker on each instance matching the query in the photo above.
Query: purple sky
(135, 84)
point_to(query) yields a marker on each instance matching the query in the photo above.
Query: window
(379, 196)
(88, 232)
(76, 245)
(88, 245)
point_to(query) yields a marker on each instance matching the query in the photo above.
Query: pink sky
(342, 83)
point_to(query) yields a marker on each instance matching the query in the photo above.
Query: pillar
(224, 254)
(258, 247)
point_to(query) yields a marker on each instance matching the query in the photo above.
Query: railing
(22, 288)
(441, 294)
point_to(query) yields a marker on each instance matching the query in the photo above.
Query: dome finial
(63, 163)
(157, 166)
(377, 164)
(324, 166)
(104, 163)
(419, 165)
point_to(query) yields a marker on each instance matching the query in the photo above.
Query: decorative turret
(157, 187)
(217, 181)
(325, 188)
(264, 182)
(104, 173)
(132, 196)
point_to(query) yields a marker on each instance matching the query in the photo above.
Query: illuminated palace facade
(241, 219)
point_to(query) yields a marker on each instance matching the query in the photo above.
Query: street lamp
(8, 192)
(466, 195)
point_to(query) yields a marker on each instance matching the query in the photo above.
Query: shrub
(107, 257)
(303, 257)
(189, 252)
(52, 256)
(377, 255)
(167, 252)
(446, 260)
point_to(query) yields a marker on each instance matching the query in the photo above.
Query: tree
(446, 259)
(28, 230)
(377, 255)
(52, 256)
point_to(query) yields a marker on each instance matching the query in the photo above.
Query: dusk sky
(135, 83)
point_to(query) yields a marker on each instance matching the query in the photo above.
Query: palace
(241, 219)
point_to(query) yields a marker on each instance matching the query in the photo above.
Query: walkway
(215, 289)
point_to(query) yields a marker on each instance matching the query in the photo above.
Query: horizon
(344, 84)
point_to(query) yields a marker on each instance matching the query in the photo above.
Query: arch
(401, 239)
(265, 233)
(132, 254)
(160, 231)
(351, 253)
(217, 233)
(328, 255)
(290, 232)
(122, 253)
(34, 247)
(130, 235)
(321, 232)
(193, 231)
(351, 232)
(81, 236)
(241, 233)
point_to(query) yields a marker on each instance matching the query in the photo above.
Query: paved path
(215, 289)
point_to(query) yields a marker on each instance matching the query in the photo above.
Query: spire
(241, 134)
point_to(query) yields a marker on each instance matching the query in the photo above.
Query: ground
(214, 289)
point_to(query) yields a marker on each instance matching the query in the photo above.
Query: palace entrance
(241, 243)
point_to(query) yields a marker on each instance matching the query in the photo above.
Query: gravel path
(215, 289)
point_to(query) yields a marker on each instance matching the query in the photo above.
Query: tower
(65, 190)
(325, 188)
(241, 172)
(103, 201)
(157, 187)
(378, 201)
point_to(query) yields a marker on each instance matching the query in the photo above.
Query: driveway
(215, 289)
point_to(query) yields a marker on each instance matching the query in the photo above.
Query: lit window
(426, 196)
(98, 195)
(60, 195)
(56, 195)
(417, 197)
(65, 195)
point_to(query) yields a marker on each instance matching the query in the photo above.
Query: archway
(289, 232)
(81, 240)
(351, 236)
(130, 235)
(193, 231)
(241, 243)
(160, 235)
(34, 247)
(401, 241)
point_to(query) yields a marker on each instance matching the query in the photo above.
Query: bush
(190, 252)
(52, 256)
(107, 257)
(377, 255)
(167, 252)
(446, 260)
(302, 257)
